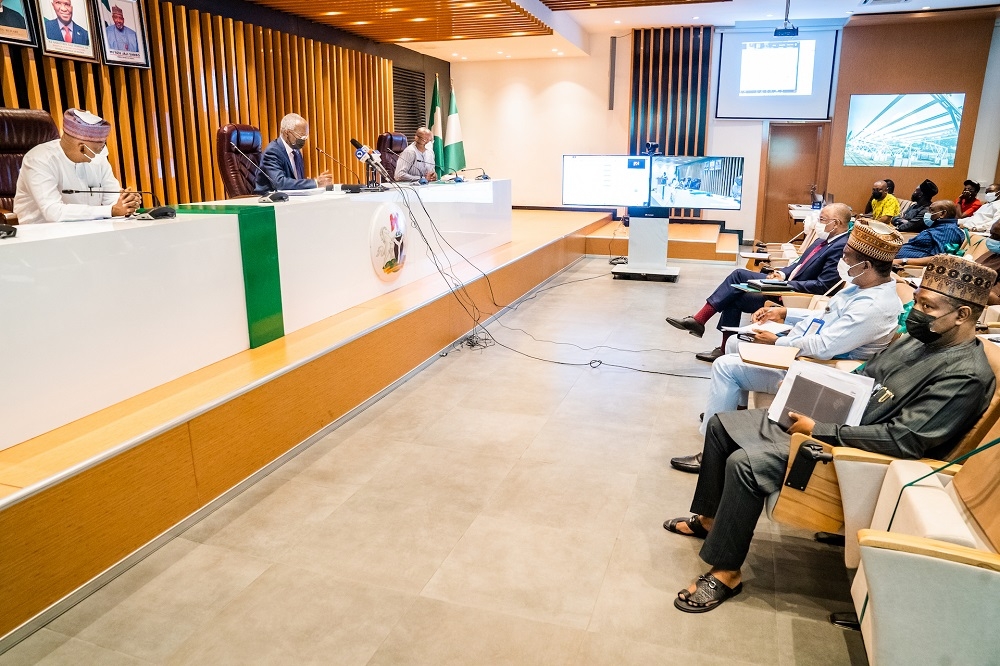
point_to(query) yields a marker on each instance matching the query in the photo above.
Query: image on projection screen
(714, 183)
(903, 130)
(777, 68)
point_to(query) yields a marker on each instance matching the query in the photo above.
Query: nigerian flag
(436, 129)
(454, 150)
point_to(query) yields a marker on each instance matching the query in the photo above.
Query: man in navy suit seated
(62, 28)
(814, 272)
(282, 159)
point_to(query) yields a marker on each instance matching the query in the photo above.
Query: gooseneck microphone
(482, 176)
(157, 212)
(360, 182)
(274, 196)
(452, 176)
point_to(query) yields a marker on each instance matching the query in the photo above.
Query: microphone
(340, 163)
(158, 212)
(371, 157)
(452, 176)
(483, 176)
(274, 196)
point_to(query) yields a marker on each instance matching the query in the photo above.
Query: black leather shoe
(709, 357)
(689, 464)
(688, 324)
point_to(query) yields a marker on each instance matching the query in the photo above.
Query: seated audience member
(813, 273)
(990, 259)
(78, 160)
(857, 324)
(967, 201)
(912, 219)
(282, 159)
(988, 214)
(882, 206)
(416, 162)
(942, 235)
(932, 386)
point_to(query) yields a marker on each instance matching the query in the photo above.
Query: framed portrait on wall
(123, 32)
(67, 29)
(16, 22)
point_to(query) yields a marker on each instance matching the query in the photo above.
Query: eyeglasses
(828, 220)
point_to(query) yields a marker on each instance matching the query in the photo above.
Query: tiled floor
(493, 510)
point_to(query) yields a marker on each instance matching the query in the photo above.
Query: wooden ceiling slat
(408, 22)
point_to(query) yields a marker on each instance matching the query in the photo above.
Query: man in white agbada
(78, 160)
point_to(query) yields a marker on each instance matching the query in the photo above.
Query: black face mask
(915, 197)
(298, 144)
(918, 325)
(878, 196)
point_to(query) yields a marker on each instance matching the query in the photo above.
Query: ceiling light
(925, 8)
(518, 34)
(499, 52)
(360, 22)
(506, 56)
(617, 22)
(332, 13)
(488, 16)
(695, 18)
(554, 50)
(768, 15)
(464, 58)
(454, 55)
(394, 9)
(560, 53)
(419, 20)
(405, 39)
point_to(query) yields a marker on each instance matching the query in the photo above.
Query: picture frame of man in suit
(66, 29)
(15, 23)
(123, 32)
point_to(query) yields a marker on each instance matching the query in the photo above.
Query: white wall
(986, 142)
(520, 116)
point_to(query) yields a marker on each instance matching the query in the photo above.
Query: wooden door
(793, 166)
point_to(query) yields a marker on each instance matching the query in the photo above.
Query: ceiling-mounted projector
(785, 30)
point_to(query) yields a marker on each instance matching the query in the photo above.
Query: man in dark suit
(62, 28)
(282, 159)
(815, 272)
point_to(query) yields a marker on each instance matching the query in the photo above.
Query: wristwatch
(903, 262)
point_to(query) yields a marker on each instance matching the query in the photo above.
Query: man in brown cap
(856, 324)
(77, 161)
(931, 387)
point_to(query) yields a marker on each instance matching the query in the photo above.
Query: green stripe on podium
(261, 278)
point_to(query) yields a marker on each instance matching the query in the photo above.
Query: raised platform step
(688, 240)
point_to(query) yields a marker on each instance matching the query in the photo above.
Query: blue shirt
(933, 241)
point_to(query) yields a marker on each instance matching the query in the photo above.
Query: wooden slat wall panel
(207, 71)
(670, 76)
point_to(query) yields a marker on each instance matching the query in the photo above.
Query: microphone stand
(343, 165)
(483, 176)
(374, 162)
(274, 196)
(158, 212)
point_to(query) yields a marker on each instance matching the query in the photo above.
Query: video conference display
(659, 181)
(914, 130)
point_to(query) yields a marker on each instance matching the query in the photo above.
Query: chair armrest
(940, 550)
(7, 216)
(851, 454)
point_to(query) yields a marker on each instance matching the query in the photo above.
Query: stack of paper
(822, 393)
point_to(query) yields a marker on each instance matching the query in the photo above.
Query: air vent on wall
(866, 3)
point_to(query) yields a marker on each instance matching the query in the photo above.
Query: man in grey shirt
(417, 159)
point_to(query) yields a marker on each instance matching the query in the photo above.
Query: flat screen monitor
(605, 180)
(916, 130)
(711, 183)
(763, 76)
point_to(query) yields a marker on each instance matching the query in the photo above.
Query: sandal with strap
(709, 594)
(698, 530)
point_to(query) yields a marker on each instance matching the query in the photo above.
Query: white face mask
(845, 271)
(98, 158)
(823, 234)
(991, 197)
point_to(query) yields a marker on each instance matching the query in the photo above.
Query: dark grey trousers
(728, 492)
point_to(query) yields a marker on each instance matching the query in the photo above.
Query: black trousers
(730, 302)
(728, 492)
